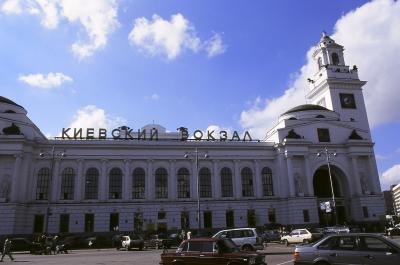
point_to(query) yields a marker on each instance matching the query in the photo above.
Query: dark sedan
(368, 249)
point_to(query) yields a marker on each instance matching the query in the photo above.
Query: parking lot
(276, 255)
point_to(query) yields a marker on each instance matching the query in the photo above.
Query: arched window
(161, 179)
(205, 183)
(335, 58)
(226, 182)
(138, 183)
(92, 184)
(183, 183)
(266, 177)
(319, 63)
(115, 184)
(67, 184)
(43, 182)
(247, 182)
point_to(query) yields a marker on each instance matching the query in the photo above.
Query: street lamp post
(196, 154)
(52, 155)
(328, 156)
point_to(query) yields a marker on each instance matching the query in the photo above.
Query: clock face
(347, 101)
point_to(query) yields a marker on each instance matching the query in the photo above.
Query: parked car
(349, 249)
(98, 241)
(132, 241)
(158, 241)
(24, 244)
(74, 242)
(211, 251)
(336, 230)
(394, 231)
(245, 238)
(300, 236)
(271, 236)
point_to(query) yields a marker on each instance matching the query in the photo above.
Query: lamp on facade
(53, 154)
(195, 154)
(328, 155)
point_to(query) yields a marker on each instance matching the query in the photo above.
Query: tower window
(323, 135)
(335, 58)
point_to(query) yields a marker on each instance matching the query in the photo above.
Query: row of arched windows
(161, 183)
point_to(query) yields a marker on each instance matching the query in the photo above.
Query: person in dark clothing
(7, 249)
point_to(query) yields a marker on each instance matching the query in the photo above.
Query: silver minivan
(246, 238)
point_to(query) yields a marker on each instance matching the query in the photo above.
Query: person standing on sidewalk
(7, 249)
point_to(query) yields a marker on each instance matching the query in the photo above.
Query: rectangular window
(323, 135)
(114, 221)
(161, 215)
(306, 216)
(185, 224)
(251, 217)
(230, 220)
(365, 211)
(271, 215)
(137, 222)
(89, 222)
(64, 223)
(207, 219)
(38, 223)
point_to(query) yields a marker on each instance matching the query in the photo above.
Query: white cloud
(94, 117)
(391, 176)
(97, 17)
(153, 97)
(11, 7)
(170, 38)
(380, 157)
(51, 80)
(371, 38)
(214, 46)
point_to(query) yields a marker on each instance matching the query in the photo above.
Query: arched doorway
(323, 192)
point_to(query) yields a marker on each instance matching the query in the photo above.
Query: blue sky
(228, 64)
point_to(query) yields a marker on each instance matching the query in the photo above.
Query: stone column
(258, 188)
(193, 180)
(356, 178)
(150, 181)
(277, 179)
(79, 182)
(237, 181)
(16, 179)
(309, 177)
(216, 189)
(290, 175)
(127, 181)
(103, 181)
(55, 181)
(172, 185)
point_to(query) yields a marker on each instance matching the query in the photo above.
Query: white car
(246, 238)
(297, 236)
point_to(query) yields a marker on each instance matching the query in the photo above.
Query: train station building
(149, 178)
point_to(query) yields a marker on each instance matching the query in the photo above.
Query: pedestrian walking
(7, 249)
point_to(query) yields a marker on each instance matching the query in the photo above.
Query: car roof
(233, 229)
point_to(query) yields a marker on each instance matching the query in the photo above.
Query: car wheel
(247, 248)
(286, 242)
(306, 241)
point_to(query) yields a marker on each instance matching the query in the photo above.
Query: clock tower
(337, 87)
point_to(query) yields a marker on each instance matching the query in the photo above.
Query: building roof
(8, 101)
(305, 107)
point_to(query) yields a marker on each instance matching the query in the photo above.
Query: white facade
(153, 185)
(396, 199)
